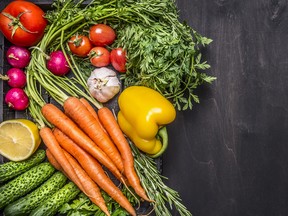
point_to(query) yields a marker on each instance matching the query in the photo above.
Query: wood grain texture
(228, 156)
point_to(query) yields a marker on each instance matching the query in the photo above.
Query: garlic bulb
(103, 84)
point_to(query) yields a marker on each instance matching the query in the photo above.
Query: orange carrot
(92, 111)
(110, 124)
(84, 119)
(52, 144)
(56, 117)
(94, 170)
(90, 187)
(53, 161)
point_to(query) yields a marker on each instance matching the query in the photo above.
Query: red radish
(17, 99)
(16, 78)
(57, 63)
(18, 57)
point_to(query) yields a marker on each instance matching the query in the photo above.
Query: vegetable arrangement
(80, 61)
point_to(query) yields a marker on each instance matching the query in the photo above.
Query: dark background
(228, 155)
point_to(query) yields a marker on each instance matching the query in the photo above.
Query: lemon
(19, 139)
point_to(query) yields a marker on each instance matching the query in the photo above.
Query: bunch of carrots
(81, 141)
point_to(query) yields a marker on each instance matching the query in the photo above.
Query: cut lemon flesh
(19, 139)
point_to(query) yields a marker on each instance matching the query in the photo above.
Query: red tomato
(80, 45)
(23, 23)
(99, 56)
(102, 35)
(118, 59)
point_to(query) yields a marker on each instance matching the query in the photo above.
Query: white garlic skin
(103, 84)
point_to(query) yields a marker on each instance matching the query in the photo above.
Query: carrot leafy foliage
(162, 52)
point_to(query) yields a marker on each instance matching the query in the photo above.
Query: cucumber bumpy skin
(31, 201)
(12, 169)
(52, 204)
(25, 183)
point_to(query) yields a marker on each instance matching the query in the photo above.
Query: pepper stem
(162, 133)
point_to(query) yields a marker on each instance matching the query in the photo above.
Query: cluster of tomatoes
(95, 46)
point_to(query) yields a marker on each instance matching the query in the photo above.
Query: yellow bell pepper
(143, 115)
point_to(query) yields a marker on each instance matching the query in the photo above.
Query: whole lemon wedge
(19, 139)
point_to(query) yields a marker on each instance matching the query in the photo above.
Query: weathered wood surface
(228, 156)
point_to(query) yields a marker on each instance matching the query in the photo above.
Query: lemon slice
(19, 139)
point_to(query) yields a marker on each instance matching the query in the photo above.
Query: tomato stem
(15, 22)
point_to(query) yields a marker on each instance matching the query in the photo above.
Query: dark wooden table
(228, 156)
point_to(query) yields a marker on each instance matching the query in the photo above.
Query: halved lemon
(19, 139)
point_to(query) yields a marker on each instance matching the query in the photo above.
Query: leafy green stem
(152, 181)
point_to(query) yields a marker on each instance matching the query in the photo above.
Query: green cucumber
(53, 203)
(25, 183)
(12, 169)
(25, 205)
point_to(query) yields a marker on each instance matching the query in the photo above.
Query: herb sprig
(157, 190)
